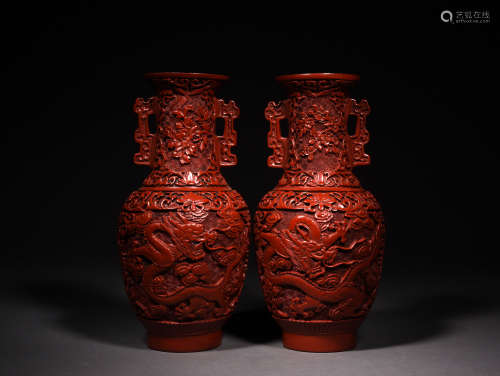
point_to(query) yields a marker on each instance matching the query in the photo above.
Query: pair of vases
(184, 235)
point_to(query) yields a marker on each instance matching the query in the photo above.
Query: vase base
(184, 336)
(319, 336)
(194, 343)
(319, 343)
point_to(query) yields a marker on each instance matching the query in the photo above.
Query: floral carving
(174, 200)
(185, 151)
(318, 151)
(186, 138)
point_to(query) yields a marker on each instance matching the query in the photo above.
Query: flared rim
(209, 76)
(318, 76)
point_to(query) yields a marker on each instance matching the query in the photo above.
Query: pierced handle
(144, 108)
(361, 136)
(228, 112)
(274, 113)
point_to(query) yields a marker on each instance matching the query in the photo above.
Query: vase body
(319, 234)
(183, 235)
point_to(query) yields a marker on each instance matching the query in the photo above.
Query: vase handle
(144, 108)
(361, 136)
(274, 113)
(228, 112)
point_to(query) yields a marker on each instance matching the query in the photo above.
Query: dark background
(71, 73)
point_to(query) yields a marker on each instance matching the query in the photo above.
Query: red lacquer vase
(184, 234)
(319, 234)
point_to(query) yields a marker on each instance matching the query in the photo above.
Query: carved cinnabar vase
(319, 234)
(184, 235)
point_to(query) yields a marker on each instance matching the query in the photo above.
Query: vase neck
(319, 145)
(185, 149)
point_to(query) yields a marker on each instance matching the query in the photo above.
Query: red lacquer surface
(319, 234)
(183, 235)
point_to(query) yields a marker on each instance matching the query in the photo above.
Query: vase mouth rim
(194, 75)
(319, 76)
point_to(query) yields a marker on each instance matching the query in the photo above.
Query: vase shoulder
(176, 198)
(324, 199)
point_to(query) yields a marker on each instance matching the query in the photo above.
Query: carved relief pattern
(228, 112)
(361, 138)
(274, 113)
(170, 200)
(184, 254)
(185, 151)
(320, 254)
(143, 136)
(189, 86)
(318, 151)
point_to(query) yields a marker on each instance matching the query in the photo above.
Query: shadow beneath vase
(106, 316)
(414, 319)
(253, 326)
(87, 311)
(424, 319)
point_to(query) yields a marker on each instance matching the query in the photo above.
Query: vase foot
(200, 342)
(319, 335)
(319, 343)
(184, 336)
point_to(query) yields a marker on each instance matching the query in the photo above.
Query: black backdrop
(71, 73)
